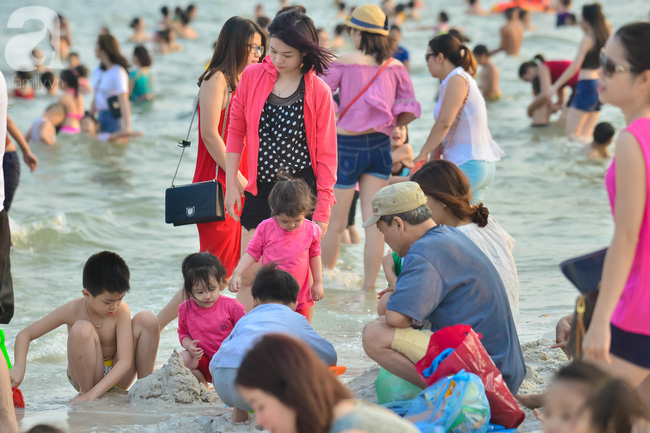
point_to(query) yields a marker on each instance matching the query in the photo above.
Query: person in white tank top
(460, 133)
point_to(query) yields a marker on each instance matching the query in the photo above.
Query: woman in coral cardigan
(284, 114)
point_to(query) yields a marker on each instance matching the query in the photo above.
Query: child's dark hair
(614, 407)
(201, 268)
(297, 30)
(582, 372)
(70, 78)
(135, 23)
(603, 133)
(339, 29)
(106, 272)
(81, 71)
(164, 11)
(290, 196)
(272, 284)
(141, 53)
(44, 428)
(443, 17)
(24, 75)
(47, 79)
(480, 50)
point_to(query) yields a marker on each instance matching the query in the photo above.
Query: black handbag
(200, 202)
(114, 107)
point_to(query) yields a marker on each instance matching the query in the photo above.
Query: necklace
(291, 83)
(91, 317)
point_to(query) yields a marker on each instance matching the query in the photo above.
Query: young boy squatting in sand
(106, 347)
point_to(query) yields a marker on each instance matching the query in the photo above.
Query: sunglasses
(609, 67)
(426, 56)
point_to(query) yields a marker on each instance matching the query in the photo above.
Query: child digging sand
(290, 240)
(106, 347)
(603, 136)
(275, 295)
(206, 318)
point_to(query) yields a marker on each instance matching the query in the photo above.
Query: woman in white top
(462, 139)
(449, 199)
(111, 84)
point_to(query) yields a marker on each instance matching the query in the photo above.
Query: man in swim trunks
(445, 280)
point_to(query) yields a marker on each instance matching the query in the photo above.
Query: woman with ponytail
(73, 101)
(460, 133)
(450, 201)
(542, 74)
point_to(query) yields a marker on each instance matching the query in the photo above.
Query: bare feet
(531, 401)
(239, 415)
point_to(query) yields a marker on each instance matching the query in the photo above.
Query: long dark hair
(634, 37)
(287, 369)
(232, 49)
(537, 60)
(445, 182)
(593, 14)
(109, 45)
(455, 51)
(297, 31)
(70, 78)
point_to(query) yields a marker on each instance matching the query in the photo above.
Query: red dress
(220, 238)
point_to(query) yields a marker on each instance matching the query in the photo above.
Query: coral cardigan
(253, 90)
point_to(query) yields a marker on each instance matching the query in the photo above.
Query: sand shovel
(17, 394)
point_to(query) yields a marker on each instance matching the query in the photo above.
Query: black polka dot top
(283, 142)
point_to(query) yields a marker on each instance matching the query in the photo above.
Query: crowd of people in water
(301, 128)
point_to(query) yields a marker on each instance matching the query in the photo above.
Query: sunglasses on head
(609, 67)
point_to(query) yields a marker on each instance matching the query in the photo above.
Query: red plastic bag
(470, 355)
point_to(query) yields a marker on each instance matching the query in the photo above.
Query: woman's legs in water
(588, 127)
(575, 123)
(373, 249)
(338, 221)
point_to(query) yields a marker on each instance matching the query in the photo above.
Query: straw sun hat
(368, 18)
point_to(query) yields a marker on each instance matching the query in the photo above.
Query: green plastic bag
(392, 388)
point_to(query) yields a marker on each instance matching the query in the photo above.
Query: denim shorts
(586, 96)
(107, 123)
(362, 154)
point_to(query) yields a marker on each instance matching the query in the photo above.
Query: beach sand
(116, 414)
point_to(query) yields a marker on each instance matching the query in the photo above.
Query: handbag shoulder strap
(382, 69)
(460, 112)
(186, 143)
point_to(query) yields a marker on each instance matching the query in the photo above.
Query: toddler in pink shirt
(290, 240)
(206, 318)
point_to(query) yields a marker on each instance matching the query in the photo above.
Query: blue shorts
(480, 175)
(362, 154)
(586, 96)
(107, 123)
(634, 348)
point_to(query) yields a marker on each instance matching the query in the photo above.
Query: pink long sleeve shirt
(253, 89)
(209, 325)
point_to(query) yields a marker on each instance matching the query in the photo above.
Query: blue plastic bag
(454, 404)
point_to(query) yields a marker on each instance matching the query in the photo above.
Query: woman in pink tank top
(618, 338)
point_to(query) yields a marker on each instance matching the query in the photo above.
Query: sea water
(88, 196)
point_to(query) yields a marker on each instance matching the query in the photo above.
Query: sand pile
(173, 383)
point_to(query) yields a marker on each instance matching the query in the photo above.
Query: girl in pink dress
(618, 338)
(290, 240)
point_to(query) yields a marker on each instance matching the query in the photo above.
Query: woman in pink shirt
(618, 338)
(284, 114)
(376, 94)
